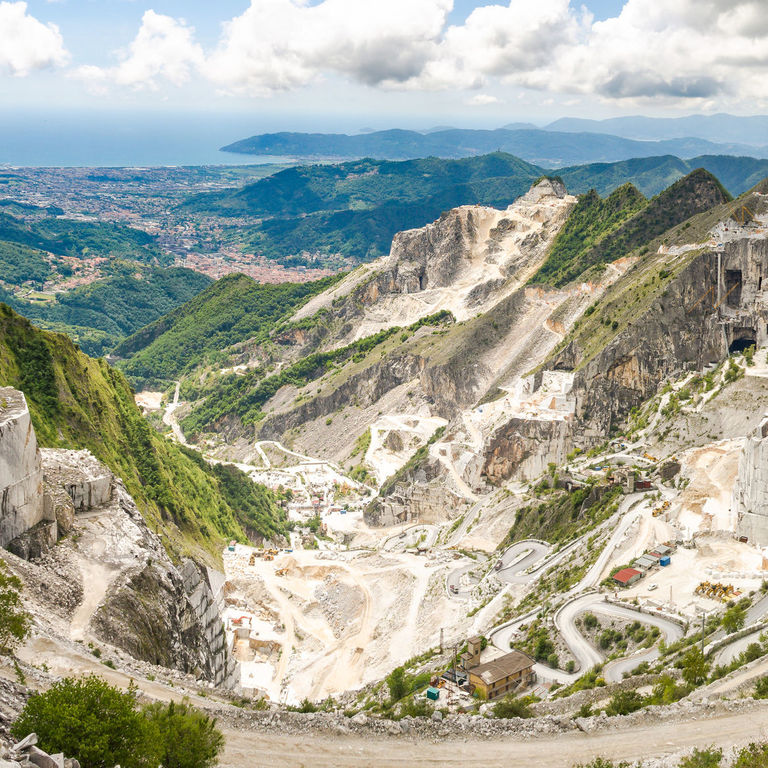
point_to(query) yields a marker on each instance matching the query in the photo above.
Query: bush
(702, 758)
(90, 720)
(14, 620)
(397, 684)
(99, 725)
(624, 702)
(753, 756)
(761, 688)
(695, 666)
(189, 738)
(511, 707)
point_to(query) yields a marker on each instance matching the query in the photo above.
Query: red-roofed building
(627, 576)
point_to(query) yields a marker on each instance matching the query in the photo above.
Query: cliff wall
(22, 505)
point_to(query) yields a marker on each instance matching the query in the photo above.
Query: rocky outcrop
(22, 505)
(155, 611)
(750, 495)
(522, 448)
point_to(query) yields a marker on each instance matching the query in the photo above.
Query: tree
(398, 685)
(695, 666)
(734, 618)
(89, 719)
(188, 738)
(14, 620)
(624, 702)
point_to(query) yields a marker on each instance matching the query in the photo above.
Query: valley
(530, 433)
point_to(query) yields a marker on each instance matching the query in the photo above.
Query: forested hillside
(315, 214)
(99, 315)
(600, 231)
(78, 402)
(234, 309)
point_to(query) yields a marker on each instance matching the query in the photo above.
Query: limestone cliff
(750, 495)
(22, 503)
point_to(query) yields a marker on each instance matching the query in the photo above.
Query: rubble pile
(26, 754)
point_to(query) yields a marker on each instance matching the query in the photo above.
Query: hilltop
(319, 214)
(544, 147)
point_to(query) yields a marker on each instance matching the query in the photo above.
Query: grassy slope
(233, 309)
(591, 221)
(78, 402)
(245, 395)
(596, 237)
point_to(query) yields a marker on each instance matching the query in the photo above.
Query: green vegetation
(315, 214)
(401, 684)
(735, 617)
(97, 316)
(561, 516)
(78, 402)
(233, 309)
(102, 726)
(510, 707)
(573, 250)
(14, 620)
(604, 230)
(244, 395)
(256, 507)
(20, 263)
(44, 231)
(188, 738)
(417, 458)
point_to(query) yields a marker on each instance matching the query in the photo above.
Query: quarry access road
(562, 750)
(516, 559)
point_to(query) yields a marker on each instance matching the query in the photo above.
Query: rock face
(524, 447)
(750, 495)
(169, 617)
(22, 506)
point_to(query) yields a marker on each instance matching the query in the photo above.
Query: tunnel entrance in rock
(742, 339)
(733, 287)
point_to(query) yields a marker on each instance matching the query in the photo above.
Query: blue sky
(366, 62)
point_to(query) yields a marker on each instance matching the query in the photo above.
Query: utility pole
(441, 639)
(703, 619)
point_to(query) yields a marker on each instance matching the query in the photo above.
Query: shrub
(511, 707)
(14, 620)
(702, 758)
(89, 719)
(695, 667)
(397, 684)
(188, 738)
(761, 688)
(624, 702)
(753, 756)
(734, 618)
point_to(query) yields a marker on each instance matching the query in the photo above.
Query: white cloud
(689, 51)
(163, 49)
(281, 44)
(27, 44)
(482, 100)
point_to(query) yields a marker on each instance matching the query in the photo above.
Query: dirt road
(261, 750)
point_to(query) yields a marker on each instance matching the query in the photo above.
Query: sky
(379, 63)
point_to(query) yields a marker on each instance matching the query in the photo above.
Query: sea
(126, 140)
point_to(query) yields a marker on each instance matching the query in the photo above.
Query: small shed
(433, 693)
(644, 563)
(627, 576)
(665, 561)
